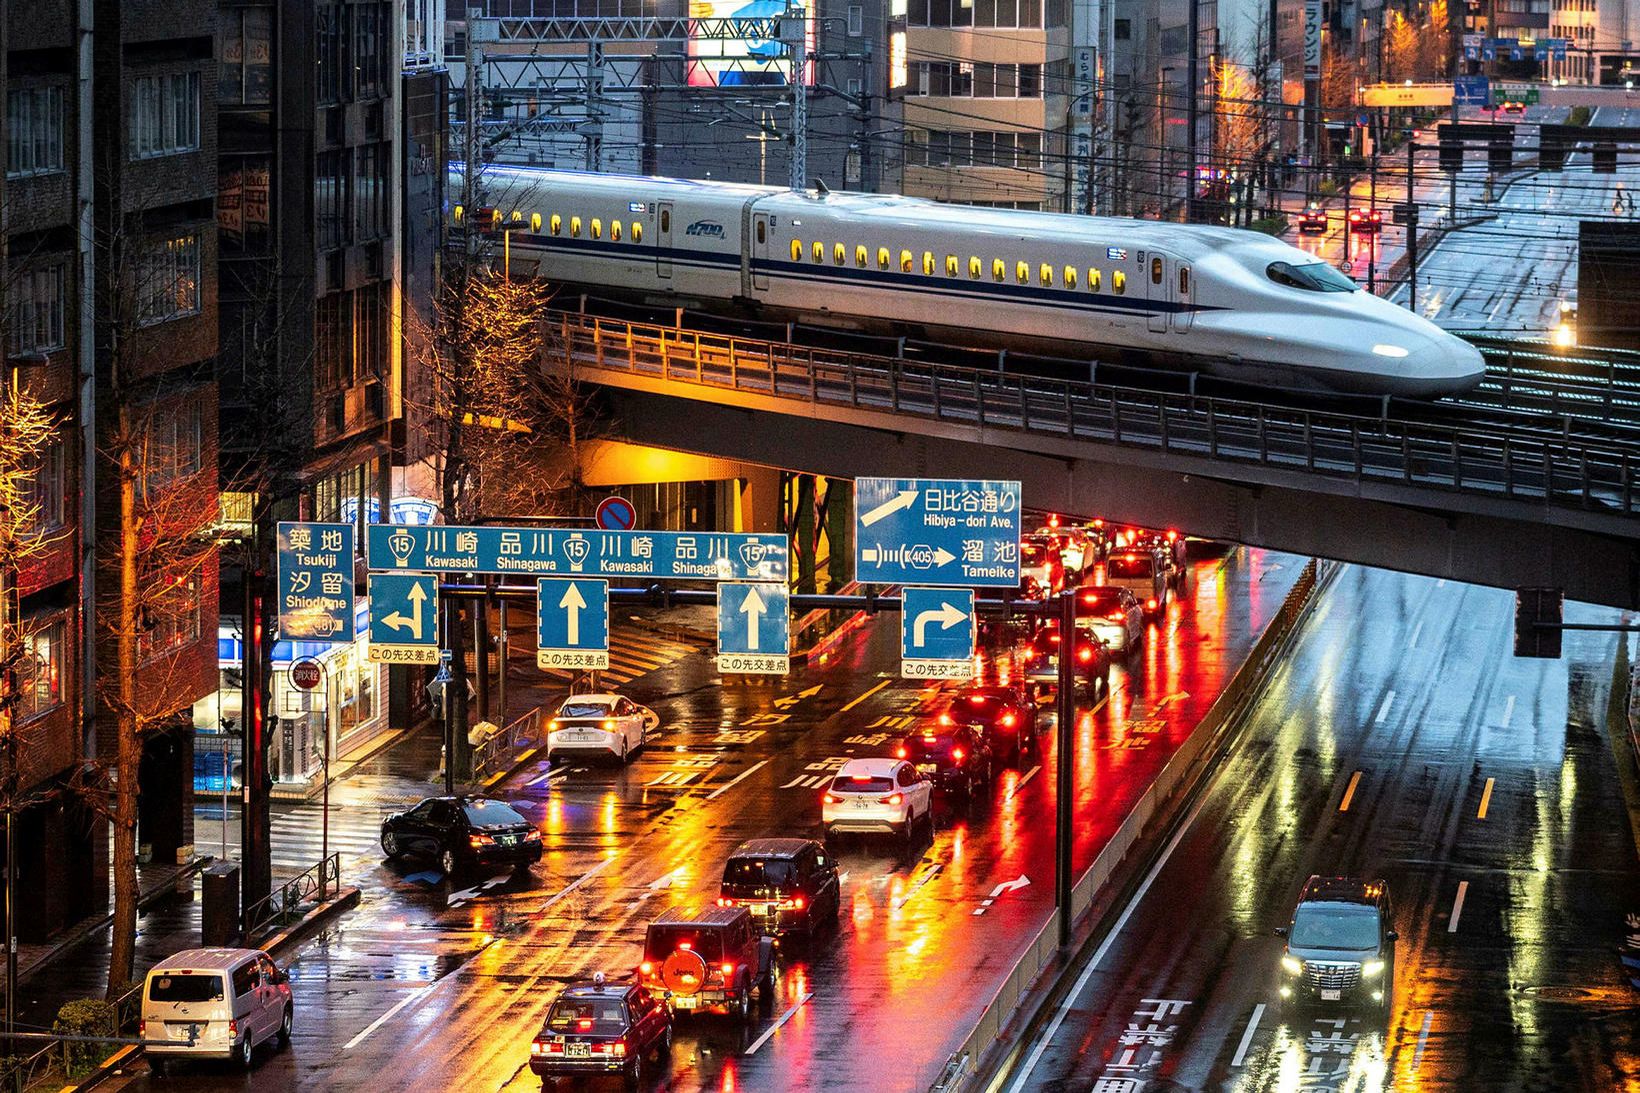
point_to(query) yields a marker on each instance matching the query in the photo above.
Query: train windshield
(1312, 276)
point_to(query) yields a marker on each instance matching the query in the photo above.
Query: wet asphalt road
(1399, 741)
(426, 987)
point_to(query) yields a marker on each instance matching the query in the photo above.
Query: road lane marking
(1457, 907)
(855, 702)
(1349, 792)
(1247, 1037)
(1019, 785)
(582, 879)
(1486, 799)
(1383, 711)
(1104, 948)
(1416, 632)
(915, 888)
(1423, 1035)
(388, 1016)
(725, 787)
(1508, 711)
(772, 1029)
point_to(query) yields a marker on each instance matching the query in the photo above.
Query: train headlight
(1389, 350)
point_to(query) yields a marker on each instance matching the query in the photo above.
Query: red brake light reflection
(900, 752)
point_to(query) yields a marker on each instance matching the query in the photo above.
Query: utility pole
(1193, 75)
(1452, 199)
(795, 29)
(1412, 233)
(867, 166)
(592, 130)
(469, 142)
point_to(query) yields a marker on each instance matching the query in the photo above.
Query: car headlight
(1372, 967)
(1292, 965)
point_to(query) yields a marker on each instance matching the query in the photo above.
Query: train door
(1186, 287)
(663, 240)
(760, 250)
(1158, 290)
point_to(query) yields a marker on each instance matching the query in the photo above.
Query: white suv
(878, 797)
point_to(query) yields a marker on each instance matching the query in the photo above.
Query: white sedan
(603, 724)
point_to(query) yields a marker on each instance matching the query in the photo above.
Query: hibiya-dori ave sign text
(665, 555)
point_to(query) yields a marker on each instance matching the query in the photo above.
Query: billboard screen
(721, 57)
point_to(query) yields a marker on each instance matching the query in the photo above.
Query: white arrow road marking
(947, 615)
(1014, 885)
(416, 595)
(792, 700)
(752, 607)
(572, 603)
(902, 500)
(1168, 700)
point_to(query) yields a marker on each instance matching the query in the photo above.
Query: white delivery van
(213, 1004)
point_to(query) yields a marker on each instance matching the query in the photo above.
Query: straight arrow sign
(573, 603)
(398, 621)
(752, 607)
(947, 615)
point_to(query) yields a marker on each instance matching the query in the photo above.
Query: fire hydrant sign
(316, 582)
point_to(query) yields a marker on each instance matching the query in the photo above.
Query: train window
(1155, 271)
(557, 223)
(928, 263)
(1022, 273)
(637, 231)
(905, 261)
(1184, 280)
(1046, 273)
(819, 251)
(575, 225)
(860, 257)
(951, 265)
(999, 269)
(1311, 276)
(882, 257)
(974, 268)
(597, 228)
(615, 231)
(797, 250)
(1093, 279)
(1118, 282)
(839, 254)
(666, 221)
(1070, 276)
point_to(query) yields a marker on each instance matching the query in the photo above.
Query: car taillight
(618, 1047)
(1085, 654)
(956, 754)
(646, 968)
(1030, 650)
(829, 798)
(546, 1047)
(728, 969)
(1008, 720)
(892, 799)
(945, 719)
(532, 836)
(233, 1030)
(1118, 616)
(142, 1030)
(1172, 536)
(1151, 602)
(725, 901)
(476, 841)
(793, 904)
(900, 752)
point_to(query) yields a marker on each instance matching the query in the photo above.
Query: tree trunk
(128, 750)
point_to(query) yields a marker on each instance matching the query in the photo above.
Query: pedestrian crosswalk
(632, 653)
(298, 835)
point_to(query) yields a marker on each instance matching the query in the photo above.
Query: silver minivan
(214, 1004)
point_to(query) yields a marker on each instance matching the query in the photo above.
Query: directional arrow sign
(939, 531)
(403, 618)
(937, 633)
(1022, 881)
(792, 700)
(572, 623)
(754, 628)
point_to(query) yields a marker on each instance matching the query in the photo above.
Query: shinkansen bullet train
(1231, 303)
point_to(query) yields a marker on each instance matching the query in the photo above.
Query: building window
(856, 20)
(247, 57)
(37, 311)
(1123, 30)
(165, 115)
(41, 669)
(369, 49)
(370, 192)
(34, 131)
(330, 51)
(171, 623)
(175, 445)
(168, 280)
(45, 491)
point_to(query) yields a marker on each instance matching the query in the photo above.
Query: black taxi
(601, 1028)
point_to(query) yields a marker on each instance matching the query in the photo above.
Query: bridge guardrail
(1565, 472)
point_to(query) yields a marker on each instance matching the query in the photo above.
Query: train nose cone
(1463, 366)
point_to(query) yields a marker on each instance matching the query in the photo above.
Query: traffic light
(1537, 622)
(1500, 156)
(1605, 158)
(1451, 155)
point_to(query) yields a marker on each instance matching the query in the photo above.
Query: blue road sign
(404, 618)
(937, 633)
(754, 629)
(667, 555)
(572, 623)
(617, 514)
(936, 531)
(316, 582)
(1471, 91)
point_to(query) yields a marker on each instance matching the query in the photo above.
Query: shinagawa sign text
(666, 555)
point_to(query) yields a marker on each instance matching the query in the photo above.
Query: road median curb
(1038, 979)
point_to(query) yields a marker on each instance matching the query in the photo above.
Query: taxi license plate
(578, 1051)
(758, 908)
(927, 768)
(685, 1002)
(1331, 996)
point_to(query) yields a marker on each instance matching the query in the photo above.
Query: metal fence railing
(294, 898)
(501, 749)
(1597, 478)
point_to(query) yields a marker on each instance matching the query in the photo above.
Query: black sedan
(1004, 715)
(601, 1028)
(462, 833)
(957, 759)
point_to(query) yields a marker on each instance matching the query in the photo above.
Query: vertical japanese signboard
(316, 582)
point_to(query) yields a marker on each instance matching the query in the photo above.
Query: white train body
(1233, 303)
